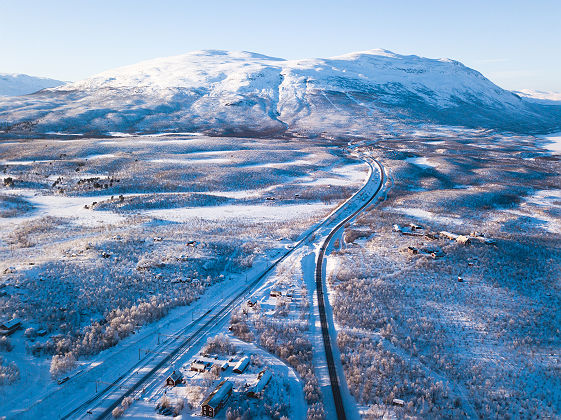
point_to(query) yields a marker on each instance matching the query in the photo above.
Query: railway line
(144, 373)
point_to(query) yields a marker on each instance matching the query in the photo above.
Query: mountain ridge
(220, 92)
(16, 84)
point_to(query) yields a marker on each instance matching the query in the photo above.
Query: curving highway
(321, 296)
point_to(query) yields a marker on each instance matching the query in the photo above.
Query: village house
(198, 366)
(174, 379)
(241, 365)
(262, 380)
(9, 327)
(217, 399)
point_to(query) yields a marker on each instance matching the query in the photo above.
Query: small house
(241, 365)
(398, 402)
(174, 379)
(9, 327)
(449, 235)
(198, 366)
(41, 333)
(217, 399)
(224, 366)
(275, 293)
(464, 240)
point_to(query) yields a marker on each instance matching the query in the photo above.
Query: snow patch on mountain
(22, 84)
(540, 96)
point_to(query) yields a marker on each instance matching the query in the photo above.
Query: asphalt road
(320, 287)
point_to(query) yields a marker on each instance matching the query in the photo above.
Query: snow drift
(243, 93)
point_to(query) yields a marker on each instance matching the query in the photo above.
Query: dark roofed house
(9, 327)
(174, 379)
(217, 399)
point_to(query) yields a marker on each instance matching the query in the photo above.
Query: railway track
(320, 286)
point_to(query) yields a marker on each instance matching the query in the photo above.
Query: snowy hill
(22, 84)
(220, 92)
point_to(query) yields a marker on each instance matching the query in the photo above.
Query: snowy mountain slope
(219, 92)
(22, 84)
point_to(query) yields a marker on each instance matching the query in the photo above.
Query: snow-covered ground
(421, 162)
(148, 242)
(455, 330)
(552, 142)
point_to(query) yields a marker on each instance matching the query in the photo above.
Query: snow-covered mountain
(243, 93)
(22, 84)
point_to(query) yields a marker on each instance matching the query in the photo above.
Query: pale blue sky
(517, 44)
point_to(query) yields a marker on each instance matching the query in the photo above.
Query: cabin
(275, 293)
(464, 240)
(224, 366)
(241, 365)
(9, 327)
(449, 235)
(434, 251)
(414, 227)
(263, 380)
(198, 366)
(41, 333)
(398, 402)
(174, 379)
(217, 399)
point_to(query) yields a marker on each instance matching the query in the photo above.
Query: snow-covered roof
(10, 324)
(175, 376)
(218, 395)
(242, 364)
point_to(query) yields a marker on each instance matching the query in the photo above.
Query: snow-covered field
(99, 237)
(552, 142)
(455, 329)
